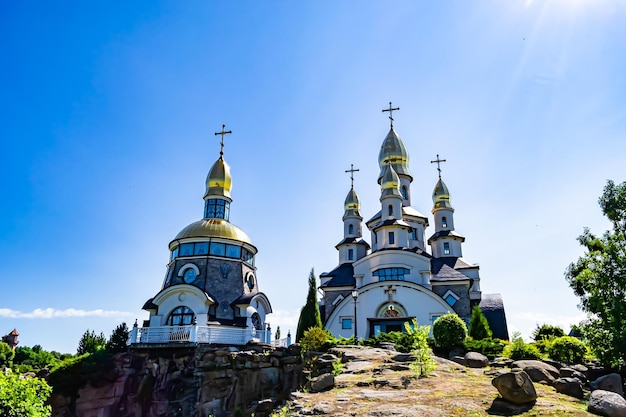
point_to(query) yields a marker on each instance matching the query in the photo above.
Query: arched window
(390, 208)
(350, 229)
(405, 192)
(444, 222)
(256, 321)
(180, 316)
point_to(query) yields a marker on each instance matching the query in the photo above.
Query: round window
(250, 282)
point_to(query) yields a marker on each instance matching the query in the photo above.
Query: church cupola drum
(210, 293)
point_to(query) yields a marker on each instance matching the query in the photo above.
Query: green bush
(488, 347)
(547, 331)
(567, 349)
(449, 331)
(316, 339)
(23, 396)
(73, 373)
(518, 349)
(402, 341)
(424, 363)
(479, 326)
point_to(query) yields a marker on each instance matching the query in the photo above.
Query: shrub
(567, 349)
(488, 347)
(518, 349)
(479, 326)
(23, 397)
(547, 331)
(424, 363)
(316, 339)
(449, 331)
(402, 341)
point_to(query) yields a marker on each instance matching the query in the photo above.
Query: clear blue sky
(108, 113)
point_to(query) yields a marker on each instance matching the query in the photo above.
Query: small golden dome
(219, 181)
(352, 201)
(393, 151)
(214, 228)
(390, 182)
(352, 204)
(441, 195)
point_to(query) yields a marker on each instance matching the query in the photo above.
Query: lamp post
(355, 295)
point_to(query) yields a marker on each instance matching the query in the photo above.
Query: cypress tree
(310, 313)
(479, 326)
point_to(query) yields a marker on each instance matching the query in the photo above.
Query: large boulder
(569, 386)
(476, 360)
(607, 403)
(610, 382)
(322, 383)
(538, 371)
(515, 387)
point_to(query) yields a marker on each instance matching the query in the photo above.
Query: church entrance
(386, 325)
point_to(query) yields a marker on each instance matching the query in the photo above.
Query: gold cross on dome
(223, 132)
(391, 110)
(438, 162)
(352, 171)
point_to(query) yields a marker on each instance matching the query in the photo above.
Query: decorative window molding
(451, 298)
(338, 300)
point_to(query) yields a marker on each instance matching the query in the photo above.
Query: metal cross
(223, 132)
(352, 171)
(390, 292)
(438, 162)
(391, 110)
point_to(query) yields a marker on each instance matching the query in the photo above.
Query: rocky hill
(347, 381)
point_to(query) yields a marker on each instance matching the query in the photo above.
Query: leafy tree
(479, 326)
(547, 331)
(449, 331)
(6, 355)
(310, 313)
(424, 363)
(34, 358)
(599, 279)
(23, 397)
(90, 342)
(118, 340)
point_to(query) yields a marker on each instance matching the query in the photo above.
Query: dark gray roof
(444, 233)
(353, 240)
(393, 222)
(149, 305)
(446, 273)
(493, 309)
(342, 276)
(452, 261)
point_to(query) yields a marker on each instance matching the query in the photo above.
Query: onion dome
(352, 204)
(441, 195)
(393, 151)
(219, 181)
(390, 182)
(210, 228)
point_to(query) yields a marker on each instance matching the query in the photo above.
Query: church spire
(218, 186)
(352, 247)
(446, 241)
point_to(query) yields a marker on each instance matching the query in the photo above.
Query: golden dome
(390, 182)
(219, 181)
(441, 195)
(214, 228)
(352, 204)
(393, 151)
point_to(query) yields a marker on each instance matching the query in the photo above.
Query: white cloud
(52, 313)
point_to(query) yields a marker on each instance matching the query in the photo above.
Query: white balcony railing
(198, 334)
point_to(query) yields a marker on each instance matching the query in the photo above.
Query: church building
(378, 287)
(210, 293)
